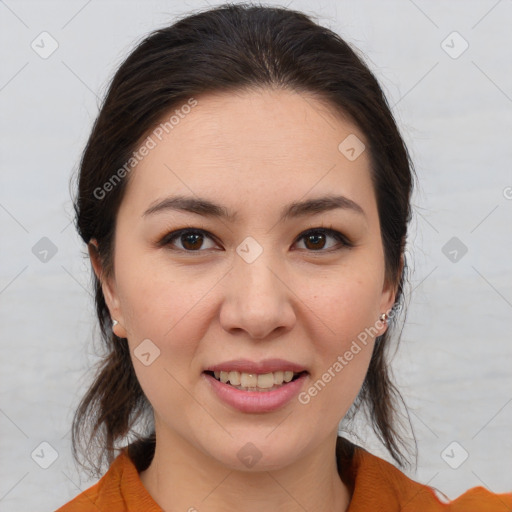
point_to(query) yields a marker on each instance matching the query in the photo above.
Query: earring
(114, 322)
(383, 317)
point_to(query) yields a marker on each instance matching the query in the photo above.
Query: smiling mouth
(254, 381)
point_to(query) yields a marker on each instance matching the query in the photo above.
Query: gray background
(454, 362)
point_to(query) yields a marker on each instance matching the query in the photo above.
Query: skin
(298, 301)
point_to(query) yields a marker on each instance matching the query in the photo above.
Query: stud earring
(114, 323)
(383, 317)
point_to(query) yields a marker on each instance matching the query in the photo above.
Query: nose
(258, 299)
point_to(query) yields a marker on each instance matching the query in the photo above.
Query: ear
(109, 289)
(389, 292)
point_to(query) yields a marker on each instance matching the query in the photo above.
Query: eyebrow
(207, 208)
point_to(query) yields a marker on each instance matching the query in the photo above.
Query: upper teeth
(253, 380)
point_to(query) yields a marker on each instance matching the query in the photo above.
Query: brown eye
(317, 239)
(191, 240)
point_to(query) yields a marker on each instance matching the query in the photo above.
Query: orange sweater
(376, 486)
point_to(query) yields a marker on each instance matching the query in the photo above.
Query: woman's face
(248, 290)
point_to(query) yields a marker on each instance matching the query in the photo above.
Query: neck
(180, 477)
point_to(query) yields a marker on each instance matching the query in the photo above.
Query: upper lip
(261, 367)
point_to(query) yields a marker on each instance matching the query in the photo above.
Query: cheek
(347, 309)
(343, 346)
(171, 312)
(174, 311)
(158, 300)
(347, 305)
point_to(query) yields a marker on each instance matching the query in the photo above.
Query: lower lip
(256, 401)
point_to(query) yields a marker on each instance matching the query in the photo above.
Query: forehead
(285, 124)
(276, 144)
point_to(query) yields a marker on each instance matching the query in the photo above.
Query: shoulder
(378, 485)
(119, 490)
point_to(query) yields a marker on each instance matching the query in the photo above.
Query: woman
(244, 196)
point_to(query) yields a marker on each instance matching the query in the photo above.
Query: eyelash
(169, 238)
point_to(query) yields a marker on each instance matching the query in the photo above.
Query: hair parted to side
(230, 48)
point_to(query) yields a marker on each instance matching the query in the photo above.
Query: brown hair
(230, 48)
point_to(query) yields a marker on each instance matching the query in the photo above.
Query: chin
(260, 450)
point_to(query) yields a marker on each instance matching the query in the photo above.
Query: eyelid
(167, 239)
(340, 237)
(171, 236)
